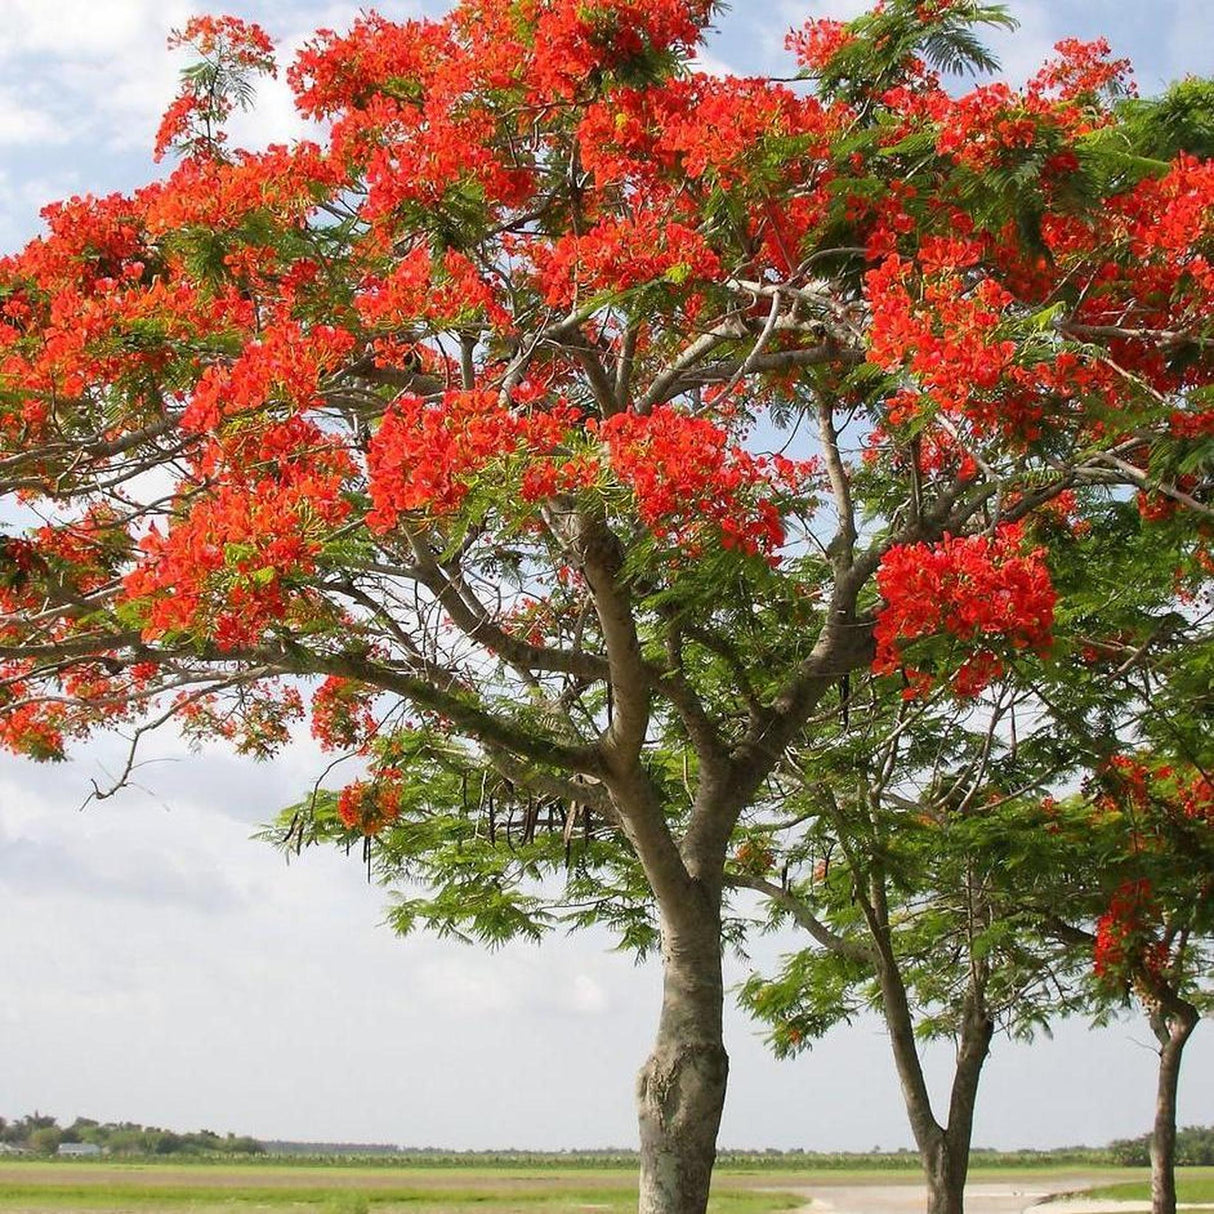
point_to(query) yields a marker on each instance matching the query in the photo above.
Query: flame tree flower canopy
(577, 423)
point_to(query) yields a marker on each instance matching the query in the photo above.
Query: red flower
(982, 589)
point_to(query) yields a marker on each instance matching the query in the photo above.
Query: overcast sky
(156, 965)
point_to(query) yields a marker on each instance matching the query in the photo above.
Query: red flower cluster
(369, 806)
(286, 364)
(817, 42)
(281, 184)
(64, 562)
(980, 128)
(702, 126)
(1169, 226)
(686, 475)
(231, 49)
(618, 253)
(341, 714)
(1125, 935)
(417, 291)
(943, 330)
(1082, 71)
(574, 39)
(33, 730)
(1159, 794)
(424, 455)
(335, 72)
(407, 112)
(228, 567)
(983, 589)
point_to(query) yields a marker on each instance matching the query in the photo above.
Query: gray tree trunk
(681, 1088)
(1173, 1026)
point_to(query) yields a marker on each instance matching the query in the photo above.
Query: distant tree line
(276, 1146)
(42, 1135)
(1194, 1148)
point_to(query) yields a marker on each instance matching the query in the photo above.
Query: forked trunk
(943, 1150)
(1172, 1028)
(681, 1088)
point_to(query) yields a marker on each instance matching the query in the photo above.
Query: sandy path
(981, 1197)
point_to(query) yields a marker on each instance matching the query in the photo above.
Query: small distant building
(78, 1148)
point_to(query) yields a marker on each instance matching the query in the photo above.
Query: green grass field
(35, 1187)
(210, 1189)
(1192, 1185)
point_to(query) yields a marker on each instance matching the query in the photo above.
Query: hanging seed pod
(531, 820)
(571, 816)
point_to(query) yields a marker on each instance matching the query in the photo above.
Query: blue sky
(161, 967)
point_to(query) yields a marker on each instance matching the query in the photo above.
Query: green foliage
(468, 1184)
(888, 40)
(45, 1141)
(1179, 120)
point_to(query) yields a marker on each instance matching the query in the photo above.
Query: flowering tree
(1136, 853)
(887, 861)
(1120, 871)
(471, 415)
(932, 849)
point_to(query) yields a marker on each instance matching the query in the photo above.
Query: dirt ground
(981, 1197)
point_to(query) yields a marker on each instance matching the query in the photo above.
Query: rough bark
(945, 1171)
(681, 1088)
(1173, 1025)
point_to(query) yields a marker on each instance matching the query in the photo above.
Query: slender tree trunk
(1173, 1025)
(945, 1191)
(943, 1151)
(681, 1088)
(947, 1172)
(930, 1137)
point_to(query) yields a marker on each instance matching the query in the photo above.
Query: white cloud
(460, 986)
(25, 125)
(70, 28)
(1022, 51)
(713, 65)
(587, 997)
